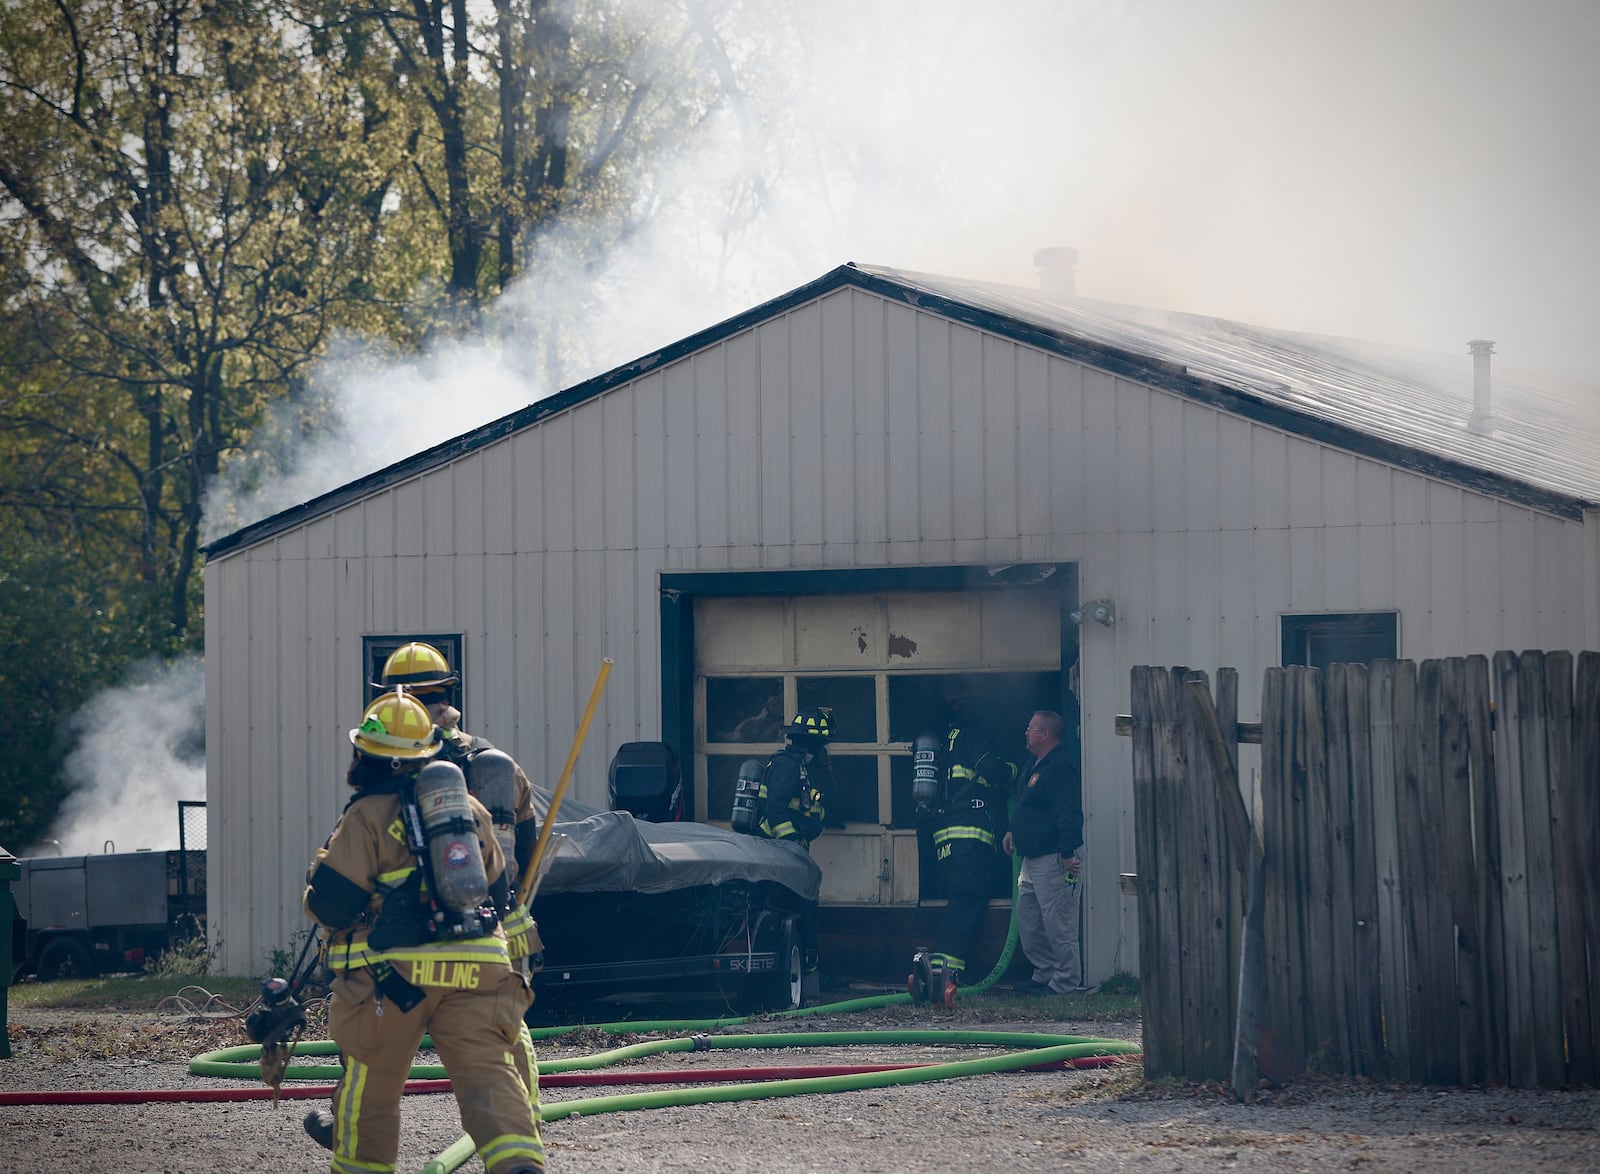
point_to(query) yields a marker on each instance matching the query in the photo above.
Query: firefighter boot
(319, 1127)
(919, 983)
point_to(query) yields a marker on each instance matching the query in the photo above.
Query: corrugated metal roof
(1406, 408)
(1546, 430)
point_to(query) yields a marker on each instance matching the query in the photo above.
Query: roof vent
(1057, 268)
(1481, 422)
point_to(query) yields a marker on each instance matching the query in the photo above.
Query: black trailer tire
(65, 958)
(783, 989)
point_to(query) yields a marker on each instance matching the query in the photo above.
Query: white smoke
(140, 749)
(1415, 174)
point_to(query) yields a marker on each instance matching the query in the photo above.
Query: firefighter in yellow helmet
(411, 892)
(424, 672)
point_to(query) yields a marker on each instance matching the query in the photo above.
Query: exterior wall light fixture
(1101, 611)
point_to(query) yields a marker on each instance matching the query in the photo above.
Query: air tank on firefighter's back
(746, 815)
(492, 780)
(927, 772)
(459, 879)
(644, 781)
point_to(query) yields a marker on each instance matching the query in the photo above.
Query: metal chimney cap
(1481, 346)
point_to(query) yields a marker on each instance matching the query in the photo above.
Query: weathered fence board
(1209, 933)
(1566, 868)
(1543, 956)
(1152, 933)
(1314, 835)
(1489, 919)
(1393, 980)
(1284, 1041)
(1339, 813)
(1455, 844)
(1366, 1012)
(1522, 1069)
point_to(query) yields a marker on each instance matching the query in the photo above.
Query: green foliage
(285, 957)
(189, 958)
(1120, 983)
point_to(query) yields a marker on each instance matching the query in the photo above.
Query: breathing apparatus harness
(446, 896)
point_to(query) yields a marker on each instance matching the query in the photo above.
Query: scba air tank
(459, 880)
(927, 772)
(492, 779)
(746, 818)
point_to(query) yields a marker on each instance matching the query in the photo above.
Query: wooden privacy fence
(1415, 893)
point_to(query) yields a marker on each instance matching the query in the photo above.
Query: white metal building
(857, 494)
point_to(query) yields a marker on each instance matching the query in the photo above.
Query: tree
(529, 112)
(192, 203)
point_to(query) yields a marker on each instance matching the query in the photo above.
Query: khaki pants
(1047, 922)
(481, 1040)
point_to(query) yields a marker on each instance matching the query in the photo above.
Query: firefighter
(411, 954)
(967, 817)
(425, 674)
(796, 779)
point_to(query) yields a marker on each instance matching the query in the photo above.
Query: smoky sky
(1418, 172)
(1411, 172)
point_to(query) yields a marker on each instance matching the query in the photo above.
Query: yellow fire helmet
(416, 665)
(396, 725)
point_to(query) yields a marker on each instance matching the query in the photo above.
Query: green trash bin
(10, 870)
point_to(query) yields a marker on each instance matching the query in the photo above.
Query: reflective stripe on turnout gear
(347, 1120)
(353, 955)
(946, 835)
(512, 1147)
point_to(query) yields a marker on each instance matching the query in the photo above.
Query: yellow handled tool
(525, 889)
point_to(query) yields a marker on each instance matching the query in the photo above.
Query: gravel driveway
(1106, 1119)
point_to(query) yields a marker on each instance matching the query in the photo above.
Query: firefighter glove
(522, 935)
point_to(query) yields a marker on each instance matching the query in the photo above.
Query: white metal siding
(849, 432)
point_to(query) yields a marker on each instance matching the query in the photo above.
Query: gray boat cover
(611, 851)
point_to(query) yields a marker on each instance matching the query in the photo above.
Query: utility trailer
(88, 915)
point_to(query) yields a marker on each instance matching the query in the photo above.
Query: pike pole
(526, 888)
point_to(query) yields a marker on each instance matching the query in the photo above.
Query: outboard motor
(928, 772)
(644, 781)
(460, 883)
(746, 817)
(492, 780)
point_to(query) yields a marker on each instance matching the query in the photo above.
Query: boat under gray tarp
(611, 851)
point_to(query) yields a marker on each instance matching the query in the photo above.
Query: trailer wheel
(65, 958)
(784, 989)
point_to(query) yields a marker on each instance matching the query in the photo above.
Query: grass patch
(1091, 1007)
(131, 992)
(1116, 998)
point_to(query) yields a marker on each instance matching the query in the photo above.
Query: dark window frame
(1300, 631)
(376, 649)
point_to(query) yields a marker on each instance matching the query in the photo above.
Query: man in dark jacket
(1047, 832)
